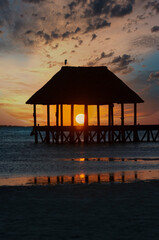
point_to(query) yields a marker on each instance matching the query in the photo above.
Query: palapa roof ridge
(84, 85)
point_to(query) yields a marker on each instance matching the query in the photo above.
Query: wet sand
(80, 211)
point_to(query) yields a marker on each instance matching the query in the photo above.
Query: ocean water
(21, 157)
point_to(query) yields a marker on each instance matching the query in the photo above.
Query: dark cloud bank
(24, 25)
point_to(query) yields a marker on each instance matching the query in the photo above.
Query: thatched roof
(84, 85)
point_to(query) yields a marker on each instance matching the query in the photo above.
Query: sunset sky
(36, 36)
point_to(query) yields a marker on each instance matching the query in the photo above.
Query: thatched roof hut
(84, 85)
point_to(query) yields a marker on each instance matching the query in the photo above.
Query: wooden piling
(72, 121)
(98, 123)
(135, 123)
(111, 122)
(35, 131)
(61, 123)
(57, 122)
(122, 122)
(85, 123)
(48, 124)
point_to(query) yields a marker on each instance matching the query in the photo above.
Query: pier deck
(96, 134)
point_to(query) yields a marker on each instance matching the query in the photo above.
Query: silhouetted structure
(86, 86)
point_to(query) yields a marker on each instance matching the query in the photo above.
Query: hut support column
(35, 131)
(57, 122)
(85, 123)
(61, 123)
(48, 125)
(111, 122)
(98, 123)
(72, 118)
(122, 122)
(135, 114)
(135, 123)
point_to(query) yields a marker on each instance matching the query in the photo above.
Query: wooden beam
(48, 124)
(34, 114)
(85, 123)
(98, 123)
(136, 138)
(111, 121)
(122, 122)
(85, 115)
(122, 114)
(72, 115)
(72, 121)
(98, 115)
(61, 123)
(57, 122)
(48, 115)
(35, 131)
(61, 114)
(135, 114)
(57, 115)
(110, 115)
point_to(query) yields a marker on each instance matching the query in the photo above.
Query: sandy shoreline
(82, 211)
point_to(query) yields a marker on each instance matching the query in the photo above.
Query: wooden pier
(89, 86)
(96, 134)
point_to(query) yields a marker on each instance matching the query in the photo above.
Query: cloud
(45, 36)
(4, 4)
(103, 55)
(154, 5)
(54, 35)
(33, 26)
(80, 42)
(28, 32)
(120, 11)
(75, 3)
(33, 1)
(97, 7)
(155, 29)
(66, 34)
(109, 8)
(154, 77)
(97, 59)
(77, 30)
(96, 24)
(121, 64)
(122, 60)
(146, 41)
(93, 36)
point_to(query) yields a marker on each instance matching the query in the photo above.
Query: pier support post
(136, 139)
(35, 131)
(48, 124)
(72, 121)
(122, 122)
(57, 123)
(85, 123)
(61, 123)
(98, 123)
(111, 122)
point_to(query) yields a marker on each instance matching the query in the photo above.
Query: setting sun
(80, 118)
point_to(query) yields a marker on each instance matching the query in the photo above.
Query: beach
(77, 192)
(112, 211)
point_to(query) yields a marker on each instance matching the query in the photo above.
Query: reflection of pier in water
(108, 159)
(115, 177)
(109, 177)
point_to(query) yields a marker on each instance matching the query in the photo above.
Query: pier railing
(96, 134)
